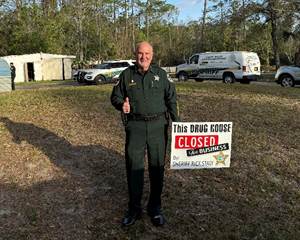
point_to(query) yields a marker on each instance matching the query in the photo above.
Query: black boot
(130, 218)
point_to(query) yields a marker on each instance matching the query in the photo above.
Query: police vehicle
(234, 66)
(105, 72)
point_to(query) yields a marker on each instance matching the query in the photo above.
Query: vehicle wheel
(182, 76)
(228, 78)
(287, 80)
(99, 79)
(80, 77)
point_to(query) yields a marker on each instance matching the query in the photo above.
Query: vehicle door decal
(205, 72)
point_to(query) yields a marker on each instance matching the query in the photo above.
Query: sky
(188, 9)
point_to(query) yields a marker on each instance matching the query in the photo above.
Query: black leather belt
(147, 117)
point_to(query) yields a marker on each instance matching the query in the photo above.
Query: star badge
(220, 158)
(156, 78)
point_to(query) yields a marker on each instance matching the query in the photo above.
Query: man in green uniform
(146, 98)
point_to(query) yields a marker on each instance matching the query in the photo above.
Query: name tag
(132, 84)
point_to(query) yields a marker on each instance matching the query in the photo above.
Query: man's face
(144, 54)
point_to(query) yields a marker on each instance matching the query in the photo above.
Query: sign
(197, 145)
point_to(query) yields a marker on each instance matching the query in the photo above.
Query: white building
(41, 66)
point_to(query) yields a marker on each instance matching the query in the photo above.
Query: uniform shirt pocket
(157, 91)
(133, 91)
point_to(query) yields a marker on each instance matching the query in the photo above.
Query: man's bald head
(143, 44)
(144, 55)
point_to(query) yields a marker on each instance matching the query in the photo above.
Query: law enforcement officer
(146, 98)
(13, 75)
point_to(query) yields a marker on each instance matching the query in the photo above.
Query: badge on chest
(132, 83)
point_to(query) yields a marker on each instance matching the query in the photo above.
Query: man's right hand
(126, 106)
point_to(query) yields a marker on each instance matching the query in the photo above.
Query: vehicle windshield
(101, 66)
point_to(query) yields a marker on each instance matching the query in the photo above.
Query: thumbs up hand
(126, 106)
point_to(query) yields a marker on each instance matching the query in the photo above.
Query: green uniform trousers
(145, 137)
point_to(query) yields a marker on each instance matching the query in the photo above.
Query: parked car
(108, 71)
(288, 76)
(234, 66)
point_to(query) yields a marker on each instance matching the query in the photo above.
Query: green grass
(63, 172)
(42, 82)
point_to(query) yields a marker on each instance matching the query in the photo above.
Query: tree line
(95, 30)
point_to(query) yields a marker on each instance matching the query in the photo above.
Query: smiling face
(144, 55)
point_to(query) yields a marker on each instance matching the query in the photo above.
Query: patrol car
(288, 76)
(234, 66)
(108, 71)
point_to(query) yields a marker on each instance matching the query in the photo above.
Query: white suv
(288, 76)
(108, 71)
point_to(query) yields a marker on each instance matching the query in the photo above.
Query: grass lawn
(43, 82)
(62, 166)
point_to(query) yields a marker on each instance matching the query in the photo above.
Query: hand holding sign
(126, 106)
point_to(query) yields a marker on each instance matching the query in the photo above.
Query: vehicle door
(209, 66)
(193, 70)
(117, 68)
(297, 73)
(203, 67)
(251, 64)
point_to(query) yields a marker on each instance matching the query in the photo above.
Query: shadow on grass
(90, 197)
(88, 201)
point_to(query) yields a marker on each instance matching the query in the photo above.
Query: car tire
(228, 78)
(286, 80)
(182, 76)
(99, 79)
(80, 77)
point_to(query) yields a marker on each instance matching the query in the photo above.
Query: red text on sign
(191, 142)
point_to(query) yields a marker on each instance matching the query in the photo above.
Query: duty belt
(145, 117)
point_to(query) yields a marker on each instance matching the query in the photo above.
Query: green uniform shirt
(148, 93)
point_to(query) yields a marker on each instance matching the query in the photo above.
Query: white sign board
(198, 145)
